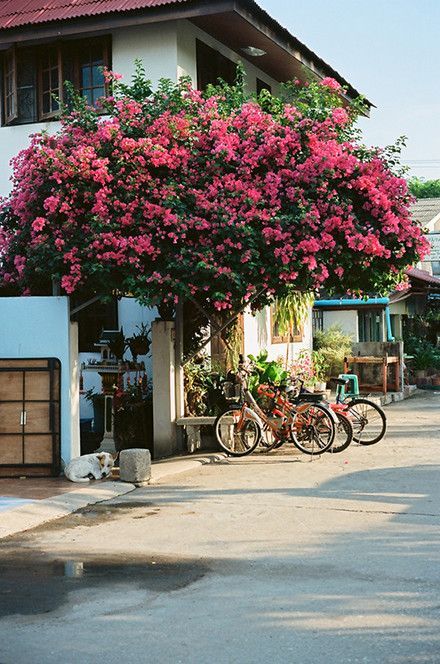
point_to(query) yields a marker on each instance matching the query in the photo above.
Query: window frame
(10, 118)
(261, 85)
(40, 92)
(369, 326)
(64, 50)
(105, 63)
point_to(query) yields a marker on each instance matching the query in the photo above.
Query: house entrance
(29, 417)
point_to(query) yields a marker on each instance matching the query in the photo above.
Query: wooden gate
(30, 417)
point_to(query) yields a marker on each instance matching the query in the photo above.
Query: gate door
(30, 417)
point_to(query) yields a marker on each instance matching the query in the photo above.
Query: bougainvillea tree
(216, 196)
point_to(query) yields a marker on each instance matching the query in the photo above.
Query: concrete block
(135, 465)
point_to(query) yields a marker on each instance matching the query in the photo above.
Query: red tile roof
(15, 13)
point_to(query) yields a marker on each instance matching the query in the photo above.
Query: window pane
(46, 102)
(86, 76)
(88, 94)
(46, 80)
(26, 86)
(98, 93)
(98, 76)
(54, 79)
(27, 106)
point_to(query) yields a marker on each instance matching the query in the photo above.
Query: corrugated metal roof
(423, 275)
(22, 13)
(15, 13)
(425, 210)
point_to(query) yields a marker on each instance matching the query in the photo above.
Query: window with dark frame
(212, 65)
(277, 338)
(10, 86)
(33, 78)
(50, 82)
(91, 83)
(261, 85)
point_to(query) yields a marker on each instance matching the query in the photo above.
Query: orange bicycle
(309, 425)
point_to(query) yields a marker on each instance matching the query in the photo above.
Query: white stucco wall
(39, 327)
(257, 335)
(155, 45)
(348, 320)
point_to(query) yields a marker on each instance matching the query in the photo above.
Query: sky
(389, 50)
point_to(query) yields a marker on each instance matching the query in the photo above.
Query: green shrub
(333, 345)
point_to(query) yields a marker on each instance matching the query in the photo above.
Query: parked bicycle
(368, 419)
(344, 428)
(308, 424)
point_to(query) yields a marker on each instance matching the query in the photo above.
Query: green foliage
(425, 354)
(265, 370)
(333, 345)
(424, 188)
(320, 366)
(204, 393)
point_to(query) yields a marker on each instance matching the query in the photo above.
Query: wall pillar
(164, 388)
(75, 444)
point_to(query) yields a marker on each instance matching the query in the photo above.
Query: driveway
(265, 559)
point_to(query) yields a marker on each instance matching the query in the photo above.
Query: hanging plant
(291, 311)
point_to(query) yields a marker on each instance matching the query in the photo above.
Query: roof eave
(248, 10)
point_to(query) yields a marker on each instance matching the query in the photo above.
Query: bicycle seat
(338, 381)
(310, 397)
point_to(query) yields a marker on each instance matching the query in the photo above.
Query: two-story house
(46, 42)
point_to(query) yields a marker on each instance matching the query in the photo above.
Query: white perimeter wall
(38, 327)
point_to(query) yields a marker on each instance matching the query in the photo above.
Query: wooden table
(384, 361)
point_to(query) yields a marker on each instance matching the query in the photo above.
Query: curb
(170, 467)
(33, 514)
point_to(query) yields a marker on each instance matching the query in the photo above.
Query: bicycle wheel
(344, 434)
(236, 437)
(368, 420)
(313, 429)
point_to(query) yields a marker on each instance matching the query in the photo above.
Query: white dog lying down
(89, 466)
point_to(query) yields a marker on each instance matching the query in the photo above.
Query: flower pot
(420, 373)
(133, 427)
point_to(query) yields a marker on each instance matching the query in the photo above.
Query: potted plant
(320, 371)
(118, 345)
(133, 415)
(140, 342)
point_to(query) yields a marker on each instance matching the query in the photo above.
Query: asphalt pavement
(265, 559)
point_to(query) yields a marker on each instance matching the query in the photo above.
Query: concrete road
(267, 559)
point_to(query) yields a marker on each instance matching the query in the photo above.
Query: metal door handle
(23, 417)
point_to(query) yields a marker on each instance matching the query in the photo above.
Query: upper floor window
(33, 77)
(212, 65)
(262, 85)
